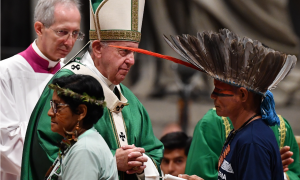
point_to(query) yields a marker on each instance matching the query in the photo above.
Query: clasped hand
(130, 159)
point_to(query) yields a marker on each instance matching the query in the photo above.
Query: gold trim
(282, 131)
(227, 126)
(97, 23)
(116, 35)
(134, 15)
(114, 128)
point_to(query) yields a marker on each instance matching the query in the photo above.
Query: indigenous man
(210, 134)
(244, 71)
(24, 76)
(177, 145)
(125, 125)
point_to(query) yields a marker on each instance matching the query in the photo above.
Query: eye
(62, 32)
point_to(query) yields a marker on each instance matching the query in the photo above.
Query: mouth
(53, 122)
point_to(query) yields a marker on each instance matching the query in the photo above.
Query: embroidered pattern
(134, 15)
(125, 35)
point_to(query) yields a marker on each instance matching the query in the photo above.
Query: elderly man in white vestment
(24, 76)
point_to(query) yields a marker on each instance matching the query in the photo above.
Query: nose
(130, 59)
(50, 112)
(70, 41)
(171, 168)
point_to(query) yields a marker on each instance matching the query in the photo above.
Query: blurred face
(50, 42)
(115, 63)
(173, 162)
(225, 99)
(63, 118)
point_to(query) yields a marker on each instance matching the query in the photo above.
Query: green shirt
(40, 148)
(209, 136)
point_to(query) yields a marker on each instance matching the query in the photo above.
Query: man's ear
(243, 94)
(38, 26)
(81, 111)
(96, 46)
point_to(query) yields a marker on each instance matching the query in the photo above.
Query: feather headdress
(238, 61)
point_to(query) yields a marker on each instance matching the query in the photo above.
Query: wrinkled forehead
(223, 86)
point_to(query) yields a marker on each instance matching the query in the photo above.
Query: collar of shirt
(37, 50)
(88, 61)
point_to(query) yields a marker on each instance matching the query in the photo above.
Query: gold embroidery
(282, 131)
(227, 126)
(125, 35)
(134, 15)
(97, 25)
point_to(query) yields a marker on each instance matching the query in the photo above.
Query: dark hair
(177, 140)
(82, 84)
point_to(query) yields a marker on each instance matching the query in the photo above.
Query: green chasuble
(40, 148)
(209, 136)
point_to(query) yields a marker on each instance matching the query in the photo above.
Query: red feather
(138, 50)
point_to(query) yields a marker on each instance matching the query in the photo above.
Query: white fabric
(20, 89)
(51, 63)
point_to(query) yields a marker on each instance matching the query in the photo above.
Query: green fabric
(208, 139)
(40, 150)
(95, 4)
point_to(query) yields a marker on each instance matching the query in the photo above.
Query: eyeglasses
(64, 33)
(54, 106)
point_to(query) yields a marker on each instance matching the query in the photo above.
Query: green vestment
(209, 136)
(40, 148)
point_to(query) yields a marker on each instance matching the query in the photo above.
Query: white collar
(88, 61)
(37, 50)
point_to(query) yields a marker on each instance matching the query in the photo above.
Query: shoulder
(258, 132)
(13, 63)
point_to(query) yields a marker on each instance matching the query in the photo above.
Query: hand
(124, 161)
(135, 159)
(286, 155)
(193, 177)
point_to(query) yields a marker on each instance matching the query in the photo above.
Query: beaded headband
(85, 97)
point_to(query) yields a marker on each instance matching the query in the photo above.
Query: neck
(239, 119)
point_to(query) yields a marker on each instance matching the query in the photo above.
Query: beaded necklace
(229, 139)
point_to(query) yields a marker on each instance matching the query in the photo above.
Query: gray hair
(103, 43)
(44, 10)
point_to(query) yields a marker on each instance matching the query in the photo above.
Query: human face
(225, 99)
(53, 46)
(173, 162)
(63, 118)
(115, 63)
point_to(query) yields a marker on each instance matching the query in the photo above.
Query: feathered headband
(242, 62)
(84, 97)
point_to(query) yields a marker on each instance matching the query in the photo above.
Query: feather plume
(142, 51)
(227, 57)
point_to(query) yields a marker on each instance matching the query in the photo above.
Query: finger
(194, 177)
(140, 170)
(284, 149)
(184, 176)
(286, 155)
(125, 147)
(138, 149)
(134, 154)
(285, 169)
(140, 159)
(287, 162)
(132, 164)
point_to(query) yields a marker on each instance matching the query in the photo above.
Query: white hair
(103, 43)
(44, 10)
